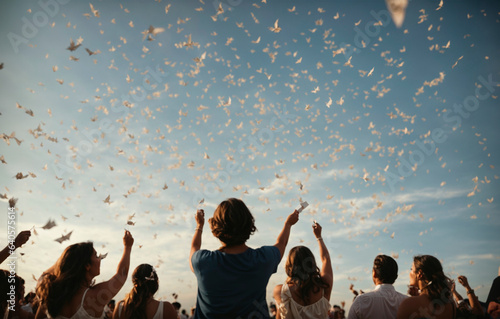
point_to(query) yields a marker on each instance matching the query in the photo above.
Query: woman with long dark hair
(306, 292)
(435, 300)
(139, 302)
(232, 280)
(67, 289)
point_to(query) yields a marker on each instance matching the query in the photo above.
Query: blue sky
(389, 133)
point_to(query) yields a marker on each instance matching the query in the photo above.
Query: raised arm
(326, 268)
(455, 293)
(477, 309)
(20, 240)
(105, 291)
(282, 240)
(196, 242)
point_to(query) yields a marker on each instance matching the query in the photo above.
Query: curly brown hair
(232, 222)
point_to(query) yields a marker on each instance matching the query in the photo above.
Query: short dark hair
(385, 268)
(232, 222)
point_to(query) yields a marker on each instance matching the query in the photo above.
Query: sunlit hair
(58, 288)
(145, 282)
(302, 270)
(437, 283)
(386, 269)
(232, 222)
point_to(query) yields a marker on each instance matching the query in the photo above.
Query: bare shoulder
(416, 300)
(277, 292)
(169, 311)
(409, 305)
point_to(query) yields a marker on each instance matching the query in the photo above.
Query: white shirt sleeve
(353, 311)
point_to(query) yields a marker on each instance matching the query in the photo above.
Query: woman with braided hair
(139, 303)
(435, 300)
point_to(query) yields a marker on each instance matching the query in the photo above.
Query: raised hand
(463, 281)
(128, 240)
(200, 217)
(317, 230)
(292, 218)
(22, 238)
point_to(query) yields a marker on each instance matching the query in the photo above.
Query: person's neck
(377, 282)
(238, 249)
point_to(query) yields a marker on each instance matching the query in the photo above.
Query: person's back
(313, 298)
(306, 292)
(80, 307)
(293, 306)
(422, 307)
(154, 310)
(384, 300)
(139, 303)
(232, 280)
(232, 285)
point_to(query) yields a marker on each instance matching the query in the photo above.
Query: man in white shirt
(383, 302)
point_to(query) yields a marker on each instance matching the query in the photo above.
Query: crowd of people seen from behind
(232, 282)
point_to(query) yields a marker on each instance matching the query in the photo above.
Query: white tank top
(80, 313)
(290, 309)
(158, 314)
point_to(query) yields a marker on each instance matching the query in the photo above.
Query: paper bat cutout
(64, 237)
(51, 223)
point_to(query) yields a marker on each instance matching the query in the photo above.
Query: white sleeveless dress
(158, 314)
(290, 309)
(80, 313)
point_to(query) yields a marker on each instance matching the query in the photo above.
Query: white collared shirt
(382, 302)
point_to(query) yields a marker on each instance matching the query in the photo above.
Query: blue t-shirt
(232, 286)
